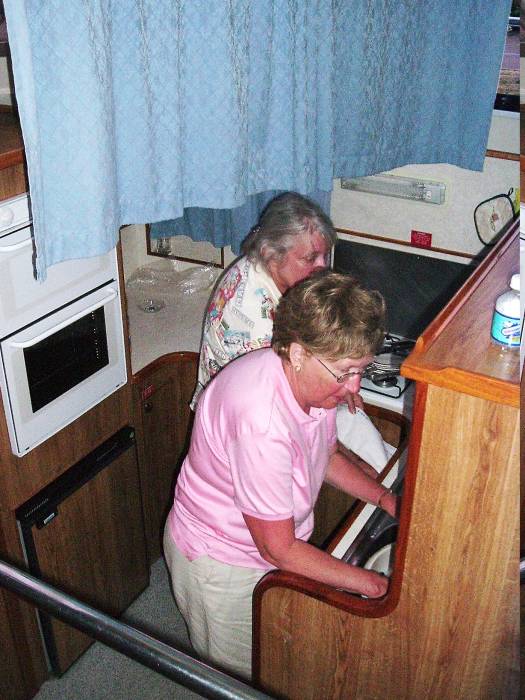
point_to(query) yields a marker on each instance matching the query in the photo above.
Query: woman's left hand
(354, 401)
(390, 504)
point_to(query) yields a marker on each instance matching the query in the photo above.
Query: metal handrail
(128, 640)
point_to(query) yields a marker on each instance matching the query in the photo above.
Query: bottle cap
(515, 282)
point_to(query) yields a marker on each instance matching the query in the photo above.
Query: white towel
(358, 433)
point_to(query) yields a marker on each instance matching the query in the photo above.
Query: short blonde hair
(332, 315)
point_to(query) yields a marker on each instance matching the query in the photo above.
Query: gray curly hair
(285, 217)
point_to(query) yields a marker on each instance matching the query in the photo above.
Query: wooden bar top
(455, 351)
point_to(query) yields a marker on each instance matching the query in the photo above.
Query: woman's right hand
(368, 583)
(277, 544)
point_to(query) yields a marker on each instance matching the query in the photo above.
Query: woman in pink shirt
(263, 441)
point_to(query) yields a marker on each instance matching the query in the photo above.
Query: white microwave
(61, 341)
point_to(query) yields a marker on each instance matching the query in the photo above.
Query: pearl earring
(297, 368)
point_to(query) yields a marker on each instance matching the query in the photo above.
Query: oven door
(59, 367)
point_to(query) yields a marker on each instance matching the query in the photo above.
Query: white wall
(5, 85)
(452, 223)
(134, 250)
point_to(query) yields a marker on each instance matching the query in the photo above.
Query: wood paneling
(22, 477)
(162, 393)
(13, 181)
(453, 632)
(12, 683)
(11, 142)
(464, 357)
(95, 550)
(406, 244)
(448, 627)
(26, 667)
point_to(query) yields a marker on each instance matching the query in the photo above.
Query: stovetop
(382, 375)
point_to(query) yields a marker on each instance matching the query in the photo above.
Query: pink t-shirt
(253, 450)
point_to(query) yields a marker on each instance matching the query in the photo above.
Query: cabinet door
(165, 420)
(12, 683)
(94, 549)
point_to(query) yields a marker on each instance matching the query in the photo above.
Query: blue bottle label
(506, 330)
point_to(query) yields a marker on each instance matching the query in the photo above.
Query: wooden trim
(406, 244)
(503, 155)
(21, 614)
(342, 600)
(172, 358)
(349, 602)
(13, 157)
(489, 388)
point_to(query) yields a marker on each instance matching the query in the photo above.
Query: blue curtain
(415, 83)
(142, 111)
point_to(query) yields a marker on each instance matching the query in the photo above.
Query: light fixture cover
(396, 186)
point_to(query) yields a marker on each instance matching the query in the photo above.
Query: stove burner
(397, 346)
(385, 381)
(387, 362)
(383, 376)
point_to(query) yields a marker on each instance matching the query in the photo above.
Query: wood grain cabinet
(12, 676)
(162, 394)
(76, 551)
(84, 533)
(448, 627)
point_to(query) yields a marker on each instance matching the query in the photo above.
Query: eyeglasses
(342, 378)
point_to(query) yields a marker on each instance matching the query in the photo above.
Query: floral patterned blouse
(239, 319)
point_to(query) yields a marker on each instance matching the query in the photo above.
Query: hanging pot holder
(492, 216)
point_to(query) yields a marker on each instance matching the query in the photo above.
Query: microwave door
(61, 366)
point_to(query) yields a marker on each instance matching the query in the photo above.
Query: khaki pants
(215, 600)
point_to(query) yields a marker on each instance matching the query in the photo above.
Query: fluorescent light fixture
(396, 186)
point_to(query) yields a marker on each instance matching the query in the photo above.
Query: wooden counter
(448, 626)
(455, 351)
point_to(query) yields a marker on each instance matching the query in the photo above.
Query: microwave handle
(68, 321)
(16, 246)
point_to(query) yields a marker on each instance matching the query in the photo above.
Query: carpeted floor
(103, 673)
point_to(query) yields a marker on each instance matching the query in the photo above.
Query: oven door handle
(16, 246)
(68, 321)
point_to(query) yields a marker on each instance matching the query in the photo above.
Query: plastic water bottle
(506, 320)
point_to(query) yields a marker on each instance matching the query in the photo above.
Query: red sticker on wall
(420, 239)
(148, 391)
